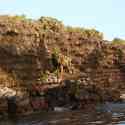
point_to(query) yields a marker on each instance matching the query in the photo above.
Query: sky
(107, 16)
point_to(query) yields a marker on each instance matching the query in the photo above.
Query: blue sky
(106, 16)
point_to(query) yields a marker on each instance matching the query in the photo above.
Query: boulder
(6, 92)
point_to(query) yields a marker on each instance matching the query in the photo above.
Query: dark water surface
(108, 114)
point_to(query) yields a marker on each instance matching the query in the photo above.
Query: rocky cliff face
(26, 48)
(23, 53)
(101, 61)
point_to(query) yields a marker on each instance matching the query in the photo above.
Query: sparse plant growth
(87, 33)
(120, 54)
(120, 59)
(43, 77)
(61, 63)
(51, 24)
(118, 41)
(21, 17)
(54, 25)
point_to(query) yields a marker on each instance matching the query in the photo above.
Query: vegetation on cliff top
(118, 41)
(52, 24)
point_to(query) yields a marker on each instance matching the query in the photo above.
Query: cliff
(26, 48)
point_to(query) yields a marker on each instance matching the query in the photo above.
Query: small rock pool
(106, 114)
